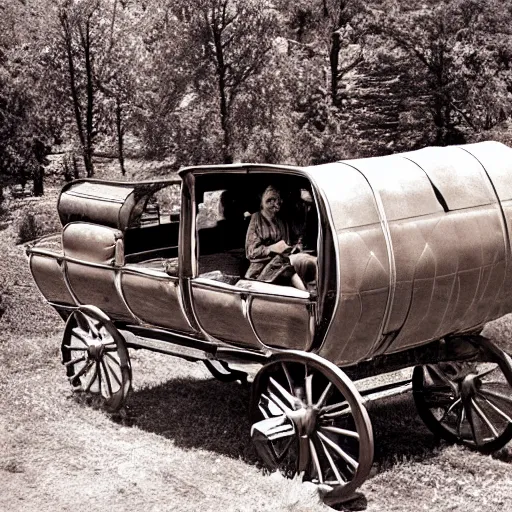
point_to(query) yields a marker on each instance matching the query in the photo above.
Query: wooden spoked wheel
(467, 402)
(221, 371)
(96, 358)
(308, 417)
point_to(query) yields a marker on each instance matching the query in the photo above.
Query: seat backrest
(93, 243)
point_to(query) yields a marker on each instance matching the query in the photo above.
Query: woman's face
(271, 203)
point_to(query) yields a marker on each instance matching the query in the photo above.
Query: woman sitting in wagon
(273, 249)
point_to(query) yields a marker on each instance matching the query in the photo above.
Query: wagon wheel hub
(304, 419)
(95, 350)
(470, 386)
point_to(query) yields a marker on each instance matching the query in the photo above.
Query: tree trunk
(224, 109)
(86, 42)
(224, 119)
(76, 170)
(120, 135)
(334, 57)
(68, 40)
(39, 181)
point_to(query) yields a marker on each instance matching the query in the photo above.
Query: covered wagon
(413, 258)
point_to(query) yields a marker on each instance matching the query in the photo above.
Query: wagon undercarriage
(309, 416)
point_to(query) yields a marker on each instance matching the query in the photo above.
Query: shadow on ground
(214, 416)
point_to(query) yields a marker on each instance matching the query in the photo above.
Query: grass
(184, 445)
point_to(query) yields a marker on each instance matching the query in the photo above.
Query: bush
(33, 226)
(28, 229)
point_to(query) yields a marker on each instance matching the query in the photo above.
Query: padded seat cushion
(91, 242)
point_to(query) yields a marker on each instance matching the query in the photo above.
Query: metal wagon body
(413, 259)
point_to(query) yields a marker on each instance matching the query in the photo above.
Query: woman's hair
(270, 189)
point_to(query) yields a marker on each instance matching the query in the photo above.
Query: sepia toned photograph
(256, 255)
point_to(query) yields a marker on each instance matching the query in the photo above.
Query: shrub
(28, 229)
(32, 226)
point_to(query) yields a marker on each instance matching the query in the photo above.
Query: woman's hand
(279, 247)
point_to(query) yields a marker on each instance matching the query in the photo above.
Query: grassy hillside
(184, 445)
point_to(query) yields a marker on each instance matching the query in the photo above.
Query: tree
(76, 20)
(25, 130)
(346, 28)
(236, 38)
(456, 49)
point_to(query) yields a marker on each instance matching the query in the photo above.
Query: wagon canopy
(113, 204)
(422, 243)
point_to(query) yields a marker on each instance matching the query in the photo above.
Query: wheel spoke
(272, 399)
(86, 324)
(107, 378)
(304, 454)
(309, 389)
(484, 418)
(75, 332)
(340, 431)
(487, 372)
(287, 396)
(288, 376)
(92, 379)
(93, 327)
(81, 349)
(98, 373)
(450, 409)
(276, 428)
(496, 408)
(112, 372)
(345, 456)
(85, 368)
(112, 358)
(468, 408)
(494, 394)
(441, 375)
(74, 361)
(82, 321)
(460, 420)
(263, 412)
(330, 411)
(316, 462)
(333, 465)
(438, 398)
(323, 397)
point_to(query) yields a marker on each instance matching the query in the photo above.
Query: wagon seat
(221, 247)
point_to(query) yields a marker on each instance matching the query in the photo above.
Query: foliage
(28, 229)
(211, 81)
(25, 129)
(458, 52)
(34, 225)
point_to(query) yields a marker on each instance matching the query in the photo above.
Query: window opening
(152, 240)
(226, 235)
